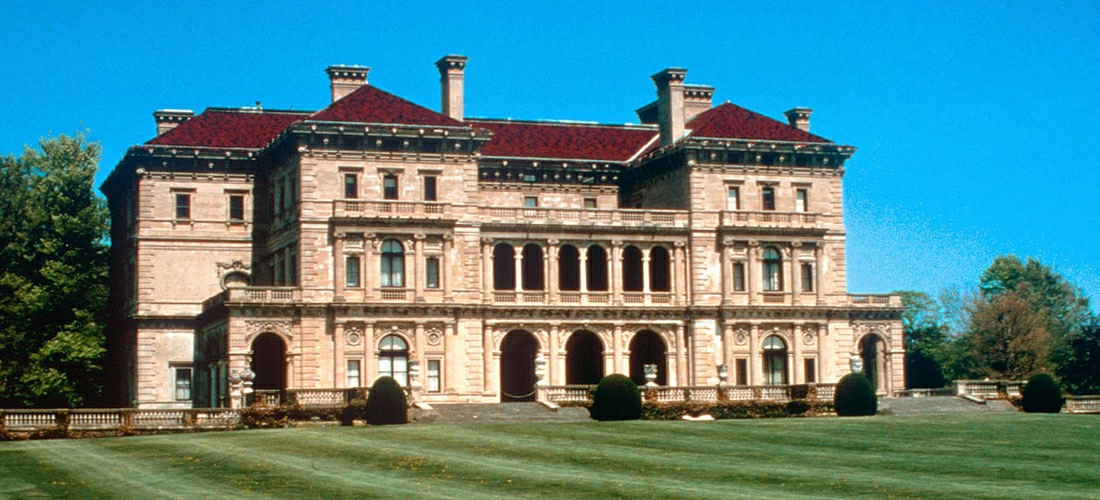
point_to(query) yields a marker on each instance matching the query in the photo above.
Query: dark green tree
(1007, 339)
(53, 275)
(1078, 360)
(926, 341)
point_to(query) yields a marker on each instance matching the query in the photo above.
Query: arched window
(504, 267)
(597, 269)
(775, 361)
(569, 277)
(632, 269)
(773, 270)
(659, 270)
(532, 267)
(393, 264)
(393, 359)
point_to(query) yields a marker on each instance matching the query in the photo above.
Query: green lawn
(995, 456)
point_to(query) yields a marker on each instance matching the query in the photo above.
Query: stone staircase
(940, 405)
(497, 413)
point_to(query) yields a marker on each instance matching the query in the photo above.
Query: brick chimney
(670, 104)
(346, 79)
(697, 99)
(168, 119)
(451, 74)
(799, 118)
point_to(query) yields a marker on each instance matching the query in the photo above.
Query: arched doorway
(775, 361)
(269, 362)
(583, 358)
(517, 366)
(393, 359)
(647, 348)
(873, 351)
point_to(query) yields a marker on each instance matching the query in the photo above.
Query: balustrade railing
(741, 218)
(576, 216)
(989, 389)
(705, 393)
(1082, 404)
(876, 300)
(262, 294)
(116, 419)
(391, 208)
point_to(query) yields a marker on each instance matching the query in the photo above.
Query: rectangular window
(353, 373)
(739, 277)
(431, 272)
(807, 277)
(429, 188)
(434, 376)
(236, 207)
(280, 201)
(389, 187)
(351, 186)
(531, 201)
(352, 272)
(767, 198)
(183, 206)
(590, 203)
(183, 383)
(810, 365)
(802, 200)
(742, 372)
(733, 198)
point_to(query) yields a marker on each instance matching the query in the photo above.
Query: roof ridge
(565, 123)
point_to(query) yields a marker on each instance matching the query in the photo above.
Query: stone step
(498, 413)
(940, 405)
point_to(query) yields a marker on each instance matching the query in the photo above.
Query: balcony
(873, 300)
(255, 295)
(391, 209)
(768, 218)
(585, 217)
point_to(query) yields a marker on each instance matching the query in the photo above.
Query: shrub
(1042, 394)
(855, 396)
(386, 403)
(725, 410)
(264, 417)
(355, 410)
(616, 397)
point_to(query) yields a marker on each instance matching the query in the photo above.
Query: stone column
(445, 267)
(727, 270)
(556, 374)
(418, 262)
(617, 347)
(367, 267)
(683, 351)
(448, 374)
(370, 362)
(545, 273)
(756, 361)
(796, 273)
(617, 272)
(817, 273)
(796, 351)
(552, 284)
(518, 257)
(487, 386)
(645, 272)
(417, 353)
(678, 280)
(753, 279)
(339, 265)
(487, 277)
(727, 351)
(583, 270)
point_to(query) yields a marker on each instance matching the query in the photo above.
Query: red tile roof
(567, 141)
(729, 121)
(368, 104)
(228, 128)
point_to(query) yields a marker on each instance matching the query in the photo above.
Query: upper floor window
(236, 207)
(430, 188)
(531, 201)
(183, 206)
(352, 271)
(590, 203)
(739, 276)
(802, 200)
(351, 186)
(767, 198)
(773, 270)
(431, 272)
(393, 264)
(389, 187)
(807, 277)
(733, 198)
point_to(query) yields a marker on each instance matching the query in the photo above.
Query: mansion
(483, 260)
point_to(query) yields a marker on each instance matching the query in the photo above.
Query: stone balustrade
(770, 218)
(585, 217)
(989, 389)
(705, 393)
(392, 209)
(1082, 404)
(116, 419)
(873, 300)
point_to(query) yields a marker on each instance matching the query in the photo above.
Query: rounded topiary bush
(855, 396)
(1042, 394)
(386, 403)
(616, 397)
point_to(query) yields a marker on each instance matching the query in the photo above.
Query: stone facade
(472, 258)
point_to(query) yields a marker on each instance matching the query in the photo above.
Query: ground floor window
(434, 376)
(393, 359)
(775, 361)
(353, 373)
(182, 377)
(742, 372)
(811, 370)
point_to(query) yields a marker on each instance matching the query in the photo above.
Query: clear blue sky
(978, 127)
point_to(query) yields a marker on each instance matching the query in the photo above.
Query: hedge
(723, 410)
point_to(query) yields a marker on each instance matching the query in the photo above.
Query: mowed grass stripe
(985, 456)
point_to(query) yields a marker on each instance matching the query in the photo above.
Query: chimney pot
(168, 119)
(799, 118)
(346, 79)
(452, 70)
(670, 104)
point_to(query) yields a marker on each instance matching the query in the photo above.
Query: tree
(1007, 338)
(1078, 360)
(926, 341)
(53, 274)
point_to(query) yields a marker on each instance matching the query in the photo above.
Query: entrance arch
(269, 362)
(517, 366)
(648, 348)
(775, 361)
(873, 351)
(583, 359)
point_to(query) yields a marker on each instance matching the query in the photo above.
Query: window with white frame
(434, 376)
(802, 200)
(182, 386)
(767, 198)
(351, 271)
(733, 197)
(389, 187)
(807, 277)
(393, 264)
(393, 359)
(738, 276)
(353, 373)
(531, 201)
(351, 186)
(431, 272)
(183, 206)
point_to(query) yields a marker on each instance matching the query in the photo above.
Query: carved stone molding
(809, 335)
(434, 336)
(282, 328)
(740, 336)
(354, 335)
